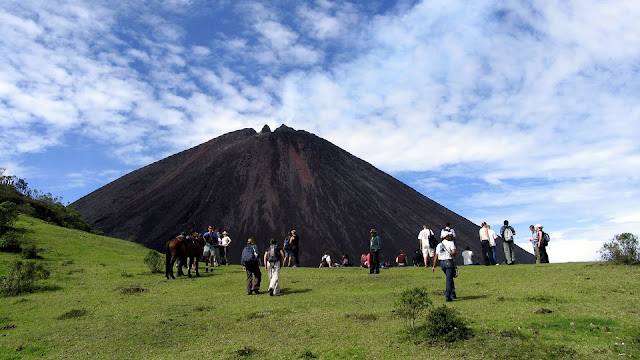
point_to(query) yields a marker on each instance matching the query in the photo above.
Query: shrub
(411, 305)
(445, 324)
(154, 261)
(623, 249)
(31, 252)
(22, 276)
(11, 242)
(8, 214)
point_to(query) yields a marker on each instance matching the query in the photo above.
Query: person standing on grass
(288, 254)
(224, 247)
(507, 234)
(251, 267)
(542, 247)
(423, 241)
(375, 244)
(487, 254)
(445, 252)
(272, 260)
(295, 248)
(209, 253)
(534, 242)
(492, 243)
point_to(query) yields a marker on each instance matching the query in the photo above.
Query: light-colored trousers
(274, 276)
(509, 251)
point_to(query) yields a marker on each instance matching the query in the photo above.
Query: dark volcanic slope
(261, 185)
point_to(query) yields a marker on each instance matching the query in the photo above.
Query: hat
(293, 231)
(373, 231)
(539, 226)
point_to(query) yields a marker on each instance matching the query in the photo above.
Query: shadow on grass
(471, 297)
(294, 291)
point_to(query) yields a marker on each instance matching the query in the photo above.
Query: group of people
(440, 250)
(274, 258)
(216, 247)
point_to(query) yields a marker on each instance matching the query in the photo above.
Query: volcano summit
(262, 185)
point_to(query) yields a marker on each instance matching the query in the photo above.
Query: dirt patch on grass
(133, 290)
(72, 314)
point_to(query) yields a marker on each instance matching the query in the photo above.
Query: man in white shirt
(445, 252)
(424, 246)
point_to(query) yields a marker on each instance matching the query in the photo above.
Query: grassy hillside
(102, 302)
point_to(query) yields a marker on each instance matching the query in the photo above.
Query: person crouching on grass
(445, 252)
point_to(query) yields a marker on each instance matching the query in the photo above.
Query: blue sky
(524, 110)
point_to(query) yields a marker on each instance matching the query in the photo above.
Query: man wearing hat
(374, 247)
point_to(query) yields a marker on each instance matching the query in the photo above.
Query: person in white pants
(272, 262)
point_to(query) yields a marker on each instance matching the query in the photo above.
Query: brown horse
(186, 249)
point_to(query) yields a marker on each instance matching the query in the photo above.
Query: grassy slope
(326, 313)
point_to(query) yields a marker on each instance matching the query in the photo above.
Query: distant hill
(263, 184)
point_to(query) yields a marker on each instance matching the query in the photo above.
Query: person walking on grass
(507, 233)
(425, 246)
(375, 244)
(251, 267)
(445, 252)
(272, 261)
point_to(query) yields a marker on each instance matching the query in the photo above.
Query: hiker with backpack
(427, 242)
(272, 261)
(251, 267)
(507, 233)
(543, 241)
(445, 252)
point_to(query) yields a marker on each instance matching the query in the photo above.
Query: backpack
(507, 234)
(249, 255)
(286, 246)
(273, 254)
(433, 242)
(545, 239)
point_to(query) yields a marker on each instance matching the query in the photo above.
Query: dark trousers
(487, 253)
(447, 268)
(544, 257)
(254, 276)
(375, 262)
(296, 259)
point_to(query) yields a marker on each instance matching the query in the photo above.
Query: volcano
(264, 184)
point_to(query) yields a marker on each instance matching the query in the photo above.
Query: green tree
(623, 249)
(8, 214)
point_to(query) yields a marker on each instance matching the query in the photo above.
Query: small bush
(623, 249)
(445, 324)
(11, 242)
(31, 252)
(411, 305)
(154, 261)
(22, 276)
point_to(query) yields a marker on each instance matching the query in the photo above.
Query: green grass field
(102, 302)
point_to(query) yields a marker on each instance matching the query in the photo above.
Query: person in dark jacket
(251, 266)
